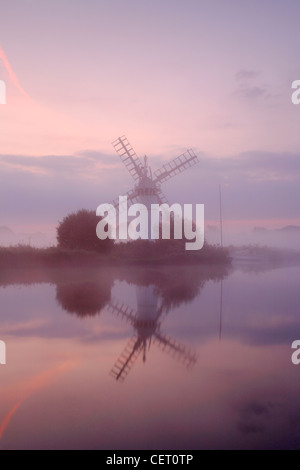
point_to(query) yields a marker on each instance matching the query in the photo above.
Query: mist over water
(286, 237)
(100, 358)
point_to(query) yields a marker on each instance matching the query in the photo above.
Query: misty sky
(210, 75)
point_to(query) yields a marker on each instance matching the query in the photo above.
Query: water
(150, 359)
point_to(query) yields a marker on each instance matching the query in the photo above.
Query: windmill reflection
(158, 291)
(146, 322)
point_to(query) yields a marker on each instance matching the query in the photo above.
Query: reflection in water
(221, 310)
(243, 391)
(42, 380)
(90, 297)
(83, 298)
(175, 286)
(86, 293)
(146, 323)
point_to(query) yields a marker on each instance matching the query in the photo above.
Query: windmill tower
(146, 323)
(147, 188)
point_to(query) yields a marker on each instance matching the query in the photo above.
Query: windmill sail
(160, 196)
(122, 310)
(127, 358)
(128, 157)
(147, 190)
(179, 164)
(132, 198)
(176, 350)
(146, 320)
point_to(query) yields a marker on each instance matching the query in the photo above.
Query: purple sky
(212, 75)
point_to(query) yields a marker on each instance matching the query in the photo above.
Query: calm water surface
(150, 359)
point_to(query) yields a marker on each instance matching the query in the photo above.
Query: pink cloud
(12, 74)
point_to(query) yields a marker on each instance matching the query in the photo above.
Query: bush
(77, 231)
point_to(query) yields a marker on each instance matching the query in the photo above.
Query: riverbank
(142, 254)
(136, 254)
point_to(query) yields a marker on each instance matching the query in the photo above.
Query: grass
(133, 253)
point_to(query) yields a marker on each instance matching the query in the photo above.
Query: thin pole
(221, 221)
(221, 311)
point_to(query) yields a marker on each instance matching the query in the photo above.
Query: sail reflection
(157, 292)
(65, 330)
(146, 322)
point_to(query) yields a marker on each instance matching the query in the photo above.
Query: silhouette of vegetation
(85, 290)
(174, 285)
(169, 252)
(83, 298)
(138, 252)
(28, 257)
(77, 231)
(180, 289)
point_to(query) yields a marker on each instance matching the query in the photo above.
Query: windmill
(147, 189)
(146, 323)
